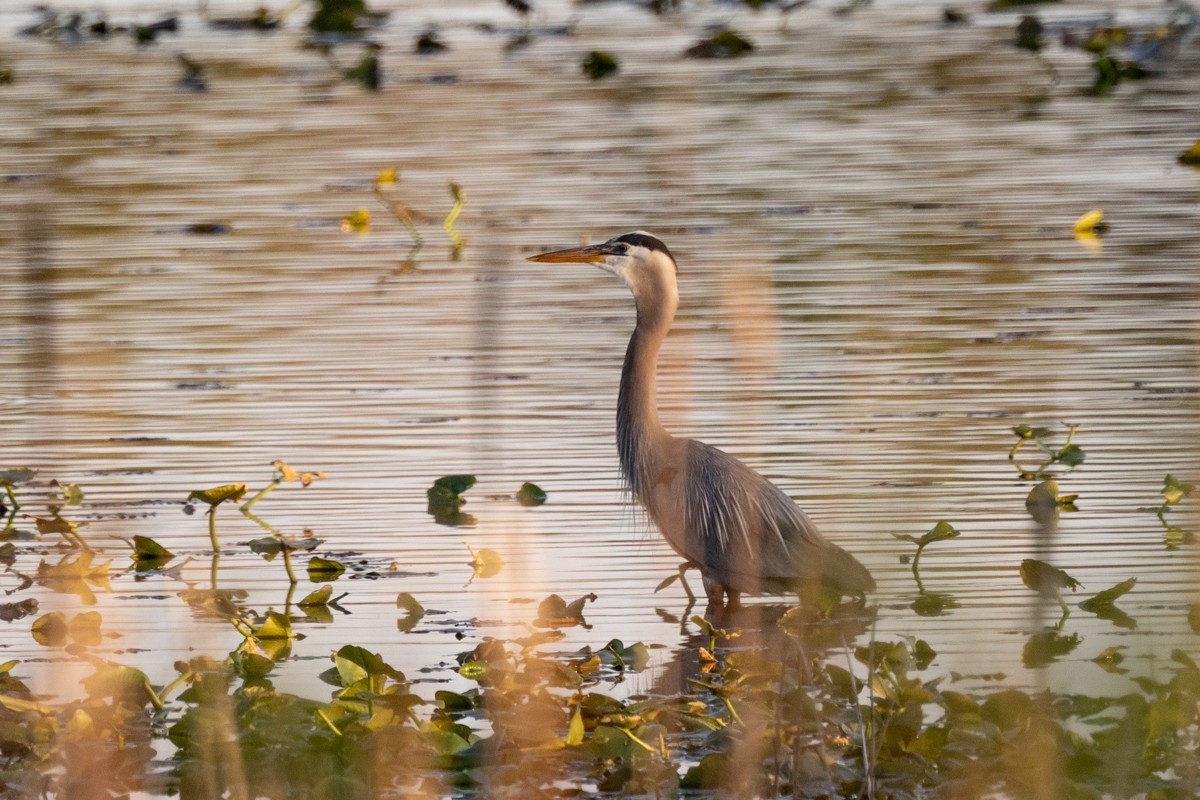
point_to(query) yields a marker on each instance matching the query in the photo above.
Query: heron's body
(742, 531)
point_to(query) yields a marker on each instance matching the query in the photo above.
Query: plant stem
(261, 494)
(287, 562)
(212, 528)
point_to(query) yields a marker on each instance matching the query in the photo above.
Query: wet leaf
(1175, 490)
(667, 581)
(118, 680)
(530, 494)
(219, 494)
(324, 569)
(72, 494)
(941, 531)
(149, 554)
(275, 626)
(485, 563)
(1045, 579)
(1102, 604)
(317, 597)
(50, 630)
(11, 612)
(575, 729)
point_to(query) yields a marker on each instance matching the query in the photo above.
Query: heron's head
(639, 259)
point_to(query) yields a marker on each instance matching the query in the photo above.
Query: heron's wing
(746, 529)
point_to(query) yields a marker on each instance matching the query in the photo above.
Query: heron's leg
(735, 600)
(691, 596)
(715, 590)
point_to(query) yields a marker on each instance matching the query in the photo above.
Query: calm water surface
(872, 216)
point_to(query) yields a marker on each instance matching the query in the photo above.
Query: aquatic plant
(214, 497)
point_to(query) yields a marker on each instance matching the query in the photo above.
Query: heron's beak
(590, 254)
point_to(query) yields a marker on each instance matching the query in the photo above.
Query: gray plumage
(742, 532)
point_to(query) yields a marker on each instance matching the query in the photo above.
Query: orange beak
(589, 254)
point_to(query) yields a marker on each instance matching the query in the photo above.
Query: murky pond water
(872, 216)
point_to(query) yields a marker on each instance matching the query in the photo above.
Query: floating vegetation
(343, 17)
(725, 43)
(1070, 455)
(444, 500)
(1029, 34)
(530, 494)
(484, 563)
(429, 42)
(214, 497)
(598, 65)
(149, 554)
(1191, 156)
(357, 221)
(367, 72)
(938, 533)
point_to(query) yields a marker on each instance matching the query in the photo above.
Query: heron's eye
(621, 249)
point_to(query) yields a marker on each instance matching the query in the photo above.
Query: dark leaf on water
(598, 65)
(1072, 455)
(530, 494)
(324, 569)
(10, 612)
(455, 483)
(149, 554)
(932, 604)
(723, 44)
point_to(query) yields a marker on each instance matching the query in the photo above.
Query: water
(872, 216)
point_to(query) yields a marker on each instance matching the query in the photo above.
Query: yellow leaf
(707, 657)
(575, 729)
(286, 473)
(386, 177)
(357, 222)
(1088, 222)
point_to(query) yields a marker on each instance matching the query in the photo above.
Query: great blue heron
(742, 531)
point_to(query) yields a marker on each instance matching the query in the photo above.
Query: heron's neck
(638, 427)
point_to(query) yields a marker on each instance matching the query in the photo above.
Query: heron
(743, 532)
